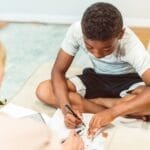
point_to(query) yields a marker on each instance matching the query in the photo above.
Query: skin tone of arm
(59, 84)
(138, 105)
(73, 142)
(61, 65)
(146, 77)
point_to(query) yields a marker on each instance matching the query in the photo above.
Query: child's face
(101, 48)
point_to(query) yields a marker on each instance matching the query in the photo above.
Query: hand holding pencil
(73, 118)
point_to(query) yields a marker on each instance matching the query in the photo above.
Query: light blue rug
(28, 46)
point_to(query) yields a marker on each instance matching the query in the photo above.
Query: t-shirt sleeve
(136, 54)
(70, 43)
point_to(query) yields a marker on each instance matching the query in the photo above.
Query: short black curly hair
(101, 21)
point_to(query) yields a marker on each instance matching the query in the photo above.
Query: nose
(98, 53)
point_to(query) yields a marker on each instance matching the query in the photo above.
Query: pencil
(74, 114)
(78, 132)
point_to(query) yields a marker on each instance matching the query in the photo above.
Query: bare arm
(59, 84)
(141, 102)
(138, 105)
(146, 77)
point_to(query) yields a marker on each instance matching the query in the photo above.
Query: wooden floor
(143, 34)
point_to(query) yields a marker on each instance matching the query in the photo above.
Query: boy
(26, 134)
(119, 62)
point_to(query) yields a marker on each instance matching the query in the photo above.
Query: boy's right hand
(71, 121)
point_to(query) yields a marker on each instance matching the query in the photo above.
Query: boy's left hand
(98, 121)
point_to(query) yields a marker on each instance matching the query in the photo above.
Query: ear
(121, 33)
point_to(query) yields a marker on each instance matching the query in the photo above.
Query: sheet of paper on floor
(21, 112)
(58, 126)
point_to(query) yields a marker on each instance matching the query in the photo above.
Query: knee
(44, 92)
(40, 91)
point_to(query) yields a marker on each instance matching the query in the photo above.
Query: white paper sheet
(16, 111)
(57, 125)
(20, 112)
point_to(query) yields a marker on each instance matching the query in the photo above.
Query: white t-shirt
(129, 57)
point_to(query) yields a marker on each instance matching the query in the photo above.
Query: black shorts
(104, 85)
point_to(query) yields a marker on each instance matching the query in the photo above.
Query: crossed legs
(45, 93)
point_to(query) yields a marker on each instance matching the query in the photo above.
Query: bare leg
(45, 93)
(106, 102)
(110, 102)
(142, 94)
(84, 105)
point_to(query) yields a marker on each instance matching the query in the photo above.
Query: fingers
(92, 127)
(100, 120)
(73, 142)
(79, 114)
(71, 121)
(70, 125)
(92, 133)
(72, 133)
